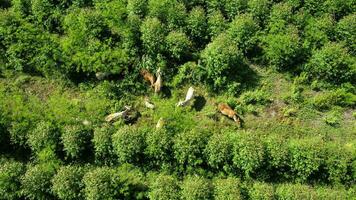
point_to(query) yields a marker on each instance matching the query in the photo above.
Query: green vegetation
(75, 121)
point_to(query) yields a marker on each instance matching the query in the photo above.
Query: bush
(46, 14)
(235, 7)
(228, 188)
(129, 144)
(243, 31)
(67, 183)
(137, 7)
(306, 156)
(159, 146)
(36, 182)
(152, 36)
(216, 24)
(189, 147)
(276, 151)
(248, 152)
(164, 187)
(219, 152)
(100, 183)
(132, 185)
(261, 191)
(338, 161)
(197, 26)
(75, 139)
(318, 32)
(345, 30)
(222, 61)
(295, 192)
(260, 9)
(339, 97)
(196, 188)
(10, 174)
(331, 64)
(178, 45)
(259, 97)
(103, 145)
(332, 193)
(283, 49)
(45, 134)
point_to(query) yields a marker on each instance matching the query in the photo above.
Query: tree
(196, 188)
(197, 26)
(216, 24)
(219, 152)
(100, 183)
(344, 32)
(45, 134)
(103, 145)
(75, 139)
(178, 45)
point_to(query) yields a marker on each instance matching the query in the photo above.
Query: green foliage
(131, 182)
(294, 192)
(344, 32)
(243, 31)
(332, 64)
(45, 134)
(219, 151)
(129, 144)
(216, 24)
(75, 139)
(339, 97)
(159, 146)
(178, 45)
(103, 145)
(260, 97)
(259, 9)
(67, 183)
(137, 7)
(276, 151)
(164, 187)
(152, 36)
(318, 32)
(283, 49)
(197, 26)
(227, 189)
(10, 174)
(261, 191)
(248, 152)
(306, 156)
(196, 188)
(221, 60)
(21, 7)
(234, 7)
(36, 182)
(189, 147)
(100, 183)
(332, 193)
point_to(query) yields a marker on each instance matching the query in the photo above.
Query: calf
(228, 111)
(148, 77)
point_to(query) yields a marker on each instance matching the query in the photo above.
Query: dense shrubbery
(56, 144)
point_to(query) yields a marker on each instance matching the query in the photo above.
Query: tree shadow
(199, 103)
(166, 92)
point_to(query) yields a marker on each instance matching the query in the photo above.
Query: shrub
(219, 152)
(100, 183)
(283, 49)
(21, 7)
(189, 147)
(345, 30)
(196, 188)
(227, 189)
(152, 36)
(259, 9)
(67, 183)
(103, 145)
(129, 144)
(294, 192)
(197, 26)
(248, 152)
(261, 191)
(222, 61)
(216, 23)
(333, 118)
(276, 151)
(331, 64)
(75, 139)
(234, 7)
(10, 174)
(45, 134)
(164, 187)
(339, 97)
(306, 156)
(36, 182)
(46, 14)
(259, 97)
(159, 146)
(132, 185)
(337, 162)
(242, 31)
(137, 7)
(318, 32)
(332, 193)
(178, 45)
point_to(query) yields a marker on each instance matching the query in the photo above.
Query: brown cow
(228, 111)
(148, 77)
